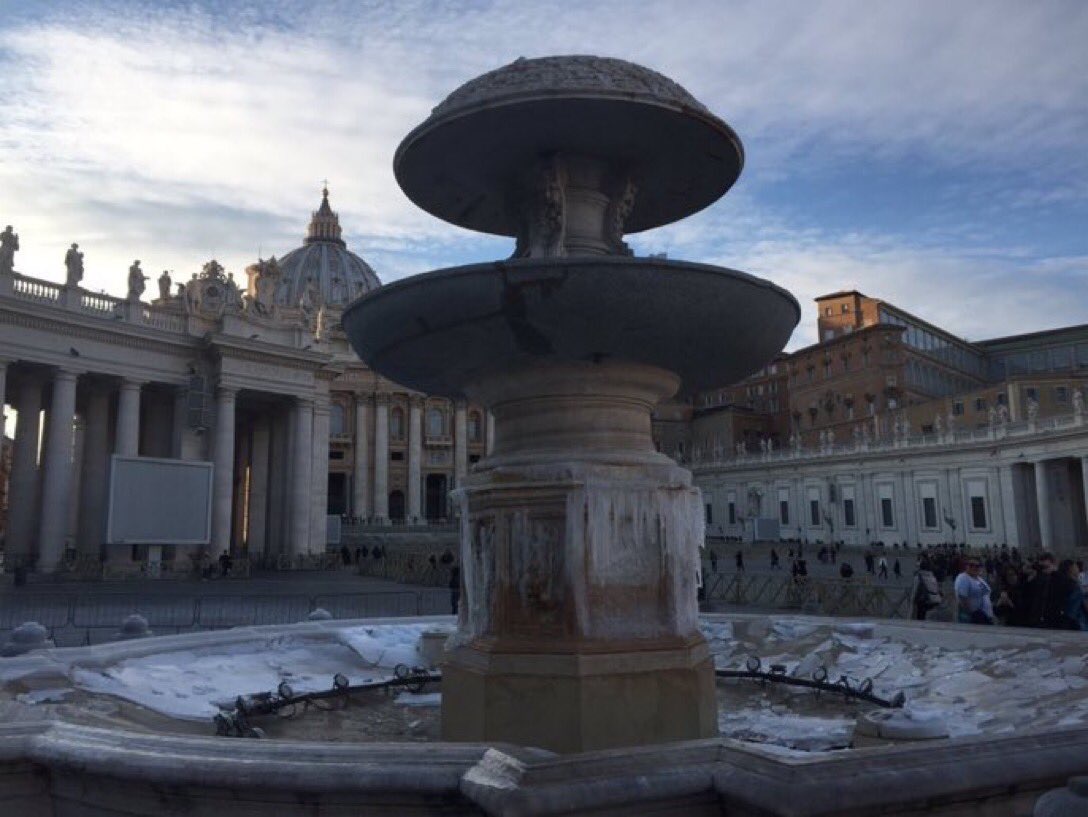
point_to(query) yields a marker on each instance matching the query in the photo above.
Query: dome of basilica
(341, 275)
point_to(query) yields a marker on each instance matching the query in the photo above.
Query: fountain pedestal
(579, 562)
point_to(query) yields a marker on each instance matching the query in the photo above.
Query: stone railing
(31, 289)
(162, 319)
(100, 304)
(1002, 431)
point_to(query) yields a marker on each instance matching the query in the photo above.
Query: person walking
(774, 560)
(897, 570)
(883, 568)
(740, 561)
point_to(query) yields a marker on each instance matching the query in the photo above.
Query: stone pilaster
(23, 492)
(460, 443)
(489, 432)
(223, 479)
(381, 458)
(301, 466)
(360, 493)
(79, 443)
(57, 468)
(128, 419)
(415, 460)
(319, 503)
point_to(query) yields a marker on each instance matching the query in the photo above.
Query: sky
(933, 154)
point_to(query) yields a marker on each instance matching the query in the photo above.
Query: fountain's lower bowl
(439, 331)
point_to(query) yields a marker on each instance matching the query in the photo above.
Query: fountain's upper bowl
(442, 331)
(464, 162)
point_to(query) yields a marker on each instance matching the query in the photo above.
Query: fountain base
(579, 557)
(579, 701)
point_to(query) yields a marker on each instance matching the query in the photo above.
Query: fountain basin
(441, 330)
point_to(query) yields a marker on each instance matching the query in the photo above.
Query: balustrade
(31, 289)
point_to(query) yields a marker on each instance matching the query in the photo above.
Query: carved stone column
(223, 480)
(23, 486)
(415, 459)
(301, 485)
(57, 468)
(128, 419)
(319, 506)
(460, 443)
(360, 493)
(381, 458)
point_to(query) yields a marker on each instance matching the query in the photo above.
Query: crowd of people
(1002, 587)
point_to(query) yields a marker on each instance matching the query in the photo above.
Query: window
(732, 509)
(887, 516)
(709, 514)
(1032, 393)
(336, 419)
(1061, 394)
(1002, 399)
(396, 424)
(848, 514)
(783, 511)
(436, 422)
(814, 507)
(827, 311)
(827, 368)
(957, 409)
(845, 308)
(929, 512)
(978, 512)
(475, 427)
(980, 404)
(396, 456)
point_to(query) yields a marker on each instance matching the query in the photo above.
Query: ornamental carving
(568, 75)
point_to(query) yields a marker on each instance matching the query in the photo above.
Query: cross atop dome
(324, 223)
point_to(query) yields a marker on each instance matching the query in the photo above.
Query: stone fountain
(579, 541)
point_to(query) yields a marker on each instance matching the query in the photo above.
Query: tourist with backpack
(926, 591)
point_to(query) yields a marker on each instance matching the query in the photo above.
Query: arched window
(336, 419)
(436, 422)
(396, 424)
(475, 427)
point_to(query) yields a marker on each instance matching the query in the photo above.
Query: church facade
(256, 377)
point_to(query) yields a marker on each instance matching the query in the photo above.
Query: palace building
(890, 429)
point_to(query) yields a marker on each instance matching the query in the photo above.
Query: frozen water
(971, 689)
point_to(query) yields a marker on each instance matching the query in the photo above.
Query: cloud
(175, 133)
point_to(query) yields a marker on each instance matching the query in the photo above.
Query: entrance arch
(396, 506)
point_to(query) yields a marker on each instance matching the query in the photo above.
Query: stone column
(57, 467)
(359, 485)
(258, 487)
(3, 394)
(79, 442)
(1084, 485)
(128, 419)
(278, 489)
(319, 476)
(460, 443)
(381, 459)
(415, 459)
(489, 432)
(223, 479)
(301, 487)
(179, 423)
(1042, 501)
(1008, 509)
(96, 454)
(23, 486)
